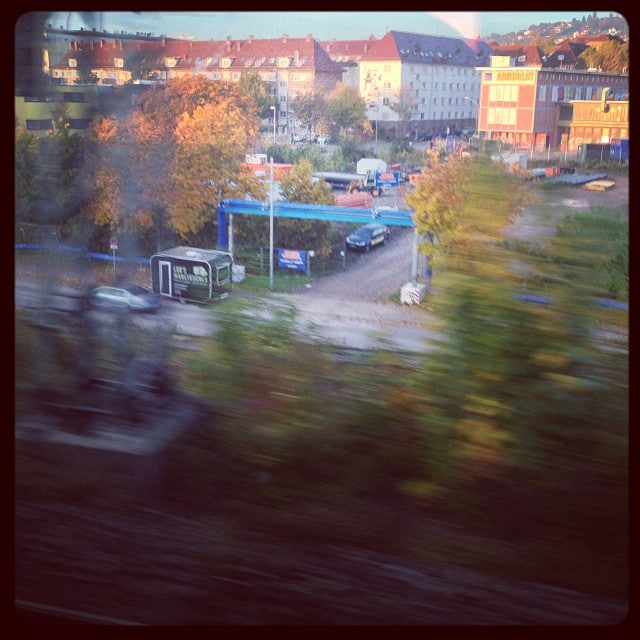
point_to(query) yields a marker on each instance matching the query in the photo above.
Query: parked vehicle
(351, 182)
(367, 237)
(124, 297)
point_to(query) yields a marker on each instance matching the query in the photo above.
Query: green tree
(25, 157)
(519, 392)
(404, 106)
(257, 91)
(60, 160)
(310, 108)
(346, 109)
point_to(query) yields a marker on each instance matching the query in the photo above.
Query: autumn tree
(436, 202)
(104, 178)
(189, 139)
(612, 57)
(300, 187)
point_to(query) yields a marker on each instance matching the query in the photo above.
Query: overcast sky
(217, 25)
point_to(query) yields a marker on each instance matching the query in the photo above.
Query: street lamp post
(475, 102)
(274, 123)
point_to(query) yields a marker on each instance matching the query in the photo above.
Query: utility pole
(271, 223)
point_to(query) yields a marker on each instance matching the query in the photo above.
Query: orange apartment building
(533, 107)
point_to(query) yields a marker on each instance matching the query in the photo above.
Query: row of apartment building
(411, 83)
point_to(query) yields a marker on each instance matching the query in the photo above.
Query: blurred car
(425, 137)
(124, 297)
(367, 237)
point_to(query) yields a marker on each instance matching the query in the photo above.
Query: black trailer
(192, 275)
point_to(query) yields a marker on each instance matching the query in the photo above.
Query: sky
(322, 25)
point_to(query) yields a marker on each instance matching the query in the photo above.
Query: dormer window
(73, 62)
(170, 62)
(225, 63)
(283, 61)
(118, 63)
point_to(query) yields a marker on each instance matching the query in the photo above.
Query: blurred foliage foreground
(504, 449)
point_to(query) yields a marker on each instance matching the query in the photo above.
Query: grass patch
(282, 283)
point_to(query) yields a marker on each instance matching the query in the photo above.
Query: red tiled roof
(533, 55)
(347, 49)
(426, 49)
(263, 53)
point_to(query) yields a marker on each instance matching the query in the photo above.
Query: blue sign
(387, 178)
(292, 259)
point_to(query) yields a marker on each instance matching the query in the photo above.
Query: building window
(79, 123)
(73, 62)
(118, 63)
(39, 125)
(73, 97)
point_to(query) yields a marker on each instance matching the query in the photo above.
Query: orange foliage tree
(188, 140)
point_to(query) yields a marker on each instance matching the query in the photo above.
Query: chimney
(250, 39)
(296, 60)
(228, 43)
(309, 37)
(284, 39)
(238, 45)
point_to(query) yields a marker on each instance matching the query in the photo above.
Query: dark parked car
(367, 237)
(124, 297)
(425, 137)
